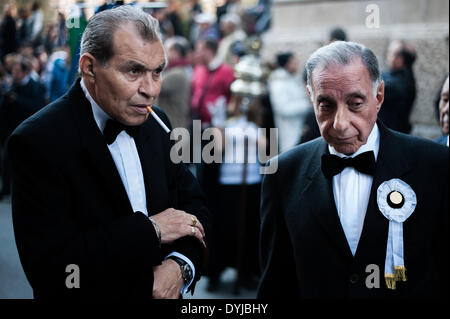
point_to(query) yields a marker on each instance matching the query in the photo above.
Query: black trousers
(235, 225)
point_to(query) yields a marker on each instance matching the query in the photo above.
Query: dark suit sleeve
(50, 237)
(278, 279)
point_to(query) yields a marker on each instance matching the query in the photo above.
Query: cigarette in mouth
(156, 117)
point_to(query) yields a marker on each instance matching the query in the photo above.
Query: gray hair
(98, 36)
(343, 53)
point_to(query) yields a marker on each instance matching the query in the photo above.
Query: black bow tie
(113, 128)
(333, 164)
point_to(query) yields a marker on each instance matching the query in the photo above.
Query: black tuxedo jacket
(70, 206)
(304, 251)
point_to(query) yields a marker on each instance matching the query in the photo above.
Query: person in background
(289, 100)
(26, 97)
(57, 73)
(230, 6)
(238, 195)
(400, 86)
(62, 30)
(175, 88)
(23, 27)
(443, 114)
(337, 34)
(211, 79)
(8, 35)
(230, 26)
(206, 27)
(51, 38)
(36, 24)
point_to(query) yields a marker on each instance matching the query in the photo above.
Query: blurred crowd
(38, 64)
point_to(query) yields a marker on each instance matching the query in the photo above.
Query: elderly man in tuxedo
(362, 211)
(99, 208)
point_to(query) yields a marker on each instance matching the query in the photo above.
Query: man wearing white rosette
(361, 212)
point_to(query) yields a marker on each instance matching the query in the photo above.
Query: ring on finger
(193, 230)
(194, 220)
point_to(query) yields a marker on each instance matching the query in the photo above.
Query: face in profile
(443, 108)
(345, 106)
(131, 78)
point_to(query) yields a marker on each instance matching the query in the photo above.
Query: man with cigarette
(361, 212)
(94, 188)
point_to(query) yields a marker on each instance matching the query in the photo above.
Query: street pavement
(14, 285)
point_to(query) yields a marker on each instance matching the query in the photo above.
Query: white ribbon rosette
(397, 201)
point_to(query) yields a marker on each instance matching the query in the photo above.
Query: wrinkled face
(443, 108)
(345, 106)
(131, 80)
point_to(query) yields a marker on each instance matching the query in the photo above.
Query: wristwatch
(186, 271)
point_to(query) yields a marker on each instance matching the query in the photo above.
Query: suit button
(354, 278)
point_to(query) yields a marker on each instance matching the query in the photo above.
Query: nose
(341, 119)
(148, 88)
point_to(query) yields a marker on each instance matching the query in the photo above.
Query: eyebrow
(134, 64)
(322, 98)
(358, 95)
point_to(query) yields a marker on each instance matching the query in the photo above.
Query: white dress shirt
(351, 191)
(126, 158)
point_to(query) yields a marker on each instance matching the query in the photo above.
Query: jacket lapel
(318, 199)
(390, 164)
(97, 150)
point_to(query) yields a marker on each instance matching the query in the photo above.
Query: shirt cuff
(185, 286)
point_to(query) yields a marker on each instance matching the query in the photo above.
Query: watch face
(187, 273)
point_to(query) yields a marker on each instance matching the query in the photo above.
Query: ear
(308, 90)
(380, 95)
(87, 67)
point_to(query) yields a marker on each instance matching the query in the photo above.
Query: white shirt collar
(100, 116)
(373, 144)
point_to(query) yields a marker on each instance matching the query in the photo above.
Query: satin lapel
(97, 150)
(319, 199)
(390, 164)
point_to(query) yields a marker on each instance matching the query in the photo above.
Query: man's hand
(175, 224)
(168, 281)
